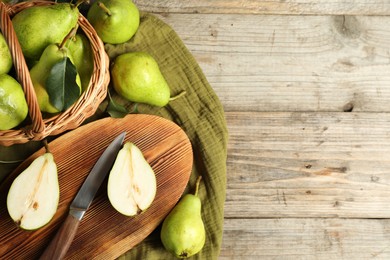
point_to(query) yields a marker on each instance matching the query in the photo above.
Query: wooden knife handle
(62, 240)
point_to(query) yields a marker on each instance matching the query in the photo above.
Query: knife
(64, 237)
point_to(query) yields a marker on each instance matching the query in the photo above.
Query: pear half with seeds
(131, 184)
(33, 196)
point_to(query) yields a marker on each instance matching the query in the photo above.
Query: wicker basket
(84, 107)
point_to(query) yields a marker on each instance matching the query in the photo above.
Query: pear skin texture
(33, 197)
(183, 233)
(5, 56)
(136, 76)
(118, 26)
(13, 105)
(81, 52)
(40, 71)
(37, 27)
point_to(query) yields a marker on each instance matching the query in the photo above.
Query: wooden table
(306, 89)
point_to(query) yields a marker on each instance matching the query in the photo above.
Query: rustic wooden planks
(284, 7)
(303, 63)
(312, 238)
(293, 164)
(305, 85)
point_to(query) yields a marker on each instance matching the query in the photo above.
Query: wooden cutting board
(104, 233)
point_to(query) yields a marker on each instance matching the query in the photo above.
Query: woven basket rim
(84, 107)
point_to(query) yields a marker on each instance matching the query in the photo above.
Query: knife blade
(80, 204)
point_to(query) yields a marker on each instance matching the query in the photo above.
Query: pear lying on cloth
(136, 76)
(183, 233)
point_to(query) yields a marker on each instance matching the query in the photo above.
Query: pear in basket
(39, 73)
(13, 105)
(38, 26)
(5, 56)
(81, 51)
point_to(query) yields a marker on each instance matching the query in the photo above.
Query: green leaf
(116, 110)
(61, 84)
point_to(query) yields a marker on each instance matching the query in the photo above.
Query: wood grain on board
(104, 233)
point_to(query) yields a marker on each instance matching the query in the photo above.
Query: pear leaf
(61, 84)
(117, 110)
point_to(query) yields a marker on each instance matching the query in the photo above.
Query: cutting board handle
(63, 239)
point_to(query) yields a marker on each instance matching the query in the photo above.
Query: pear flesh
(136, 76)
(183, 232)
(33, 196)
(131, 184)
(38, 26)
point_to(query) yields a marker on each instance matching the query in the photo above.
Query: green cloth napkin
(201, 116)
(199, 113)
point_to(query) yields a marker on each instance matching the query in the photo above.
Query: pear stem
(178, 95)
(46, 145)
(79, 2)
(197, 185)
(104, 7)
(71, 34)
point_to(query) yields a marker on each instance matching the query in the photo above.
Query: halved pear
(33, 196)
(131, 184)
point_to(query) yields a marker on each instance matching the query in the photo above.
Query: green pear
(13, 105)
(81, 51)
(183, 233)
(38, 26)
(136, 76)
(5, 56)
(115, 21)
(33, 196)
(131, 186)
(52, 54)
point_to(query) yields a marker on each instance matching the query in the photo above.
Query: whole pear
(52, 54)
(115, 21)
(13, 105)
(33, 196)
(81, 51)
(5, 56)
(136, 76)
(38, 26)
(183, 233)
